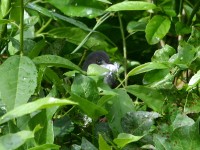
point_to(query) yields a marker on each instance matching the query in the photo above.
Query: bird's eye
(99, 61)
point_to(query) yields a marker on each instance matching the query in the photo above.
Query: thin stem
(194, 11)
(99, 22)
(186, 100)
(82, 58)
(124, 48)
(21, 27)
(180, 16)
(44, 26)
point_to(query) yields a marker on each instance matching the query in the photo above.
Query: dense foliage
(48, 102)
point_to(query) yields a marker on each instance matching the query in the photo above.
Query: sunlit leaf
(123, 139)
(95, 70)
(147, 67)
(163, 54)
(131, 5)
(18, 77)
(54, 15)
(4, 7)
(185, 56)
(102, 144)
(33, 106)
(194, 80)
(156, 29)
(78, 8)
(105, 1)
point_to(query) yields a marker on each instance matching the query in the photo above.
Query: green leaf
(139, 122)
(182, 28)
(44, 120)
(105, 1)
(151, 96)
(96, 70)
(155, 75)
(54, 15)
(14, 140)
(185, 56)
(45, 147)
(124, 138)
(161, 143)
(162, 55)
(56, 61)
(193, 39)
(92, 110)
(18, 78)
(186, 137)
(135, 26)
(34, 106)
(76, 35)
(4, 5)
(156, 29)
(117, 106)
(63, 126)
(86, 145)
(85, 87)
(78, 8)
(131, 5)
(147, 67)
(194, 80)
(37, 49)
(182, 120)
(193, 105)
(102, 144)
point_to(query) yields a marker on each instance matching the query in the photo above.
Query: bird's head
(102, 59)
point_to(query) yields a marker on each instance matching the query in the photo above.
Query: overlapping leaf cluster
(48, 102)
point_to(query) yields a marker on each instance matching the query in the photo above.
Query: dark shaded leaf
(86, 145)
(76, 35)
(92, 110)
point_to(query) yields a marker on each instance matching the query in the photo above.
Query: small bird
(101, 58)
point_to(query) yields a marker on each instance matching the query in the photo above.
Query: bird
(101, 58)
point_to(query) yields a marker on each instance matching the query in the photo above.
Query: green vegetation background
(48, 102)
